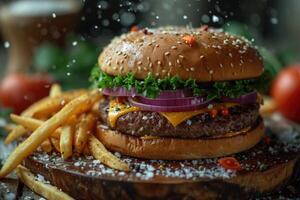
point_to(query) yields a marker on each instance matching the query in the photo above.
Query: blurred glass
(28, 23)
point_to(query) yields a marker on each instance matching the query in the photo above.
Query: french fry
(46, 146)
(32, 124)
(9, 127)
(101, 153)
(55, 143)
(76, 106)
(48, 105)
(66, 141)
(269, 107)
(48, 191)
(55, 90)
(86, 124)
(16, 133)
(27, 122)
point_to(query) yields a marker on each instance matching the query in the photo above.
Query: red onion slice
(165, 94)
(174, 94)
(172, 102)
(119, 92)
(244, 99)
(157, 108)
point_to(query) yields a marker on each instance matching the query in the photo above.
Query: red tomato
(286, 92)
(18, 91)
(230, 163)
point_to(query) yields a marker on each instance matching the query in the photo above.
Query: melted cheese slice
(117, 109)
(175, 118)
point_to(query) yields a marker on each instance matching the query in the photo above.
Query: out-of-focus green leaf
(271, 62)
(69, 66)
(237, 28)
(288, 56)
(49, 58)
(4, 117)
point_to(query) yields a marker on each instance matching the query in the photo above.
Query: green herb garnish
(151, 86)
(263, 167)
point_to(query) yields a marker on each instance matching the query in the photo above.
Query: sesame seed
(174, 47)
(192, 69)
(150, 65)
(167, 53)
(231, 64)
(170, 63)
(211, 71)
(164, 71)
(230, 55)
(159, 62)
(178, 61)
(181, 56)
(139, 63)
(148, 58)
(139, 68)
(201, 57)
(157, 45)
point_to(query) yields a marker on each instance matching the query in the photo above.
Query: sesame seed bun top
(201, 54)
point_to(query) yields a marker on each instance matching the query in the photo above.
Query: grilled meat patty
(148, 123)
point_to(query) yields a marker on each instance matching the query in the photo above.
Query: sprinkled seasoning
(134, 29)
(263, 167)
(167, 53)
(189, 40)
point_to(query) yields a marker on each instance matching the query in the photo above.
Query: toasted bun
(179, 149)
(215, 55)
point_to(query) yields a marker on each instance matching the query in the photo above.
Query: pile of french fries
(63, 122)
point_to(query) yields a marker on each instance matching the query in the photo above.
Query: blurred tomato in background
(286, 92)
(18, 91)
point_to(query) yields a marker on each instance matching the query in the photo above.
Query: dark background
(273, 24)
(275, 20)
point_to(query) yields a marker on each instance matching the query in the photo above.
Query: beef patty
(148, 123)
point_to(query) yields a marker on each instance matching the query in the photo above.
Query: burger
(176, 93)
(179, 108)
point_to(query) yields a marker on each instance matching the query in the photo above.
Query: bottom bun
(180, 149)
